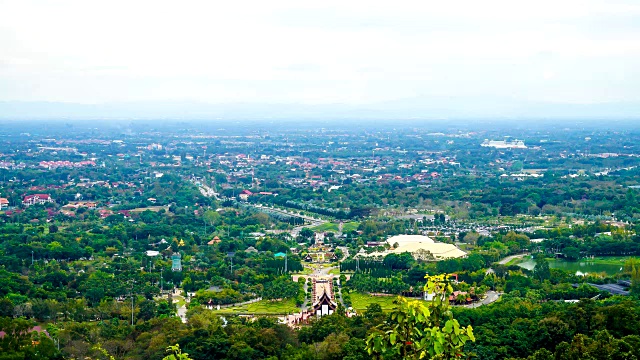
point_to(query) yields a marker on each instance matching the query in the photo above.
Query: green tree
(471, 237)
(632, 267)
(306, 233)
(211, 218)
(572, 253)
(6, 307)
(541, 270)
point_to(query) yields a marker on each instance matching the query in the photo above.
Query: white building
(36, 199)
(504, 144)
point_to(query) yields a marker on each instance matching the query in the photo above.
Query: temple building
(324, 303)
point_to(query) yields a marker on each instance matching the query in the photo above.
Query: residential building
(36, 199)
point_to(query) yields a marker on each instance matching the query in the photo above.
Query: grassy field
(613, 260)
(598, 260)
(350, 226)
(516, 261)
(179, 300)
(263, 307)
(361, 301)
(305, 271)
(335, 271)
(333, 227)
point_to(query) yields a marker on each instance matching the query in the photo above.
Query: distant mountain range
(427, 108)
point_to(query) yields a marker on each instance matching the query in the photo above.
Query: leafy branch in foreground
(176, 353)
(418, 331)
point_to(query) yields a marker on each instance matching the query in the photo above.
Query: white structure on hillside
(504, 144)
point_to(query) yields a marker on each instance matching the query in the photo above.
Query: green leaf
(470, 333)
(392, 338)
(377, 346)
(448, 328)
(438, 347)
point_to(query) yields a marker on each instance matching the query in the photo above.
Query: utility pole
(31, 257)
(285, 264)
(161, 281)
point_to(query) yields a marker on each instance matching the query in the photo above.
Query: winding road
(506, 260)
(492, 296)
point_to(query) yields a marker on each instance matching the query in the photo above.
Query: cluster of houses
(73, 207)
(12, 165)
(322, 172)
(245, 194)
(69, 209)
(50, 165)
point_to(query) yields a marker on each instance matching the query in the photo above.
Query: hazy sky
(319, 52)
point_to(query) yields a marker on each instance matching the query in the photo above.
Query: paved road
(182, 310)
(506, 260)
(345, 252)
(323, 271)
(296, 230)
(205, 190)
(182, 313)
(509, 258)
(492, 296)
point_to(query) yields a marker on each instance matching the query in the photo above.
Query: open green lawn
(350, 226)
(361, 301)
(333, 227)
(597, 260)
(614, 260)
(326, 227)
(308, 268)
(516, 261)
(263, 307)
(335, 271)
(305, 271)
(179, 301)
(611, 265)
